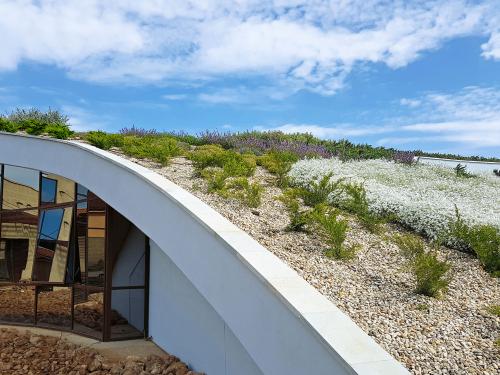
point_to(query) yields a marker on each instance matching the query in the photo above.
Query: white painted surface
(284, 324)
(180, 311)
(472, 166)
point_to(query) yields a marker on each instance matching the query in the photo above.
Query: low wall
(218, 299)
(472, 165)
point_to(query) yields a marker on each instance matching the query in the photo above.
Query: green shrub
(207, 156)
(319, 192)
(8, 126)
(298, 219)
(461, 171)
(59, 131)
(481, 240)
(239, 165)
(248, 193)
(333, 230)
(485, 242)
(216, 180)
(160, 149)
(104, 140)
(494, 310)
(430, 272)
(278, 163)
(233, 163)
(357, 203)
(49, 117)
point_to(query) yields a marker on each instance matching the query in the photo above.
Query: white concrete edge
(360, 353)
(458, 161)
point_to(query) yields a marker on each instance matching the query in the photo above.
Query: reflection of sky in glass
(81, 194)
(50, 223)
(24, 176)
(48, 190)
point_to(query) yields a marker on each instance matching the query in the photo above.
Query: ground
(25, 353)
(451, 335)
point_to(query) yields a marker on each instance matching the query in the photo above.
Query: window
(49, 189)
(20, 188)
(17, 244)
(53, 244)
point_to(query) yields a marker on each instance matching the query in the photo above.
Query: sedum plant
(431, 274)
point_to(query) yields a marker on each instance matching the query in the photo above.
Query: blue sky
(411, 75)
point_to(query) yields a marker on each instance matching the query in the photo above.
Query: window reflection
(17, 304)
(89, 310)
(53, 244)
(56, 189)
(54, 306)
(96, 216)
(48, 190)
(17, 244)
(20, 188)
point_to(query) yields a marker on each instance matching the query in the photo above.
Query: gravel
(31, 354)
(451, 335)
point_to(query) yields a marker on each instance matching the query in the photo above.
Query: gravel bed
(31, 354)
(451, 335)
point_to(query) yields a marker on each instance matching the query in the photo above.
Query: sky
(405, 74)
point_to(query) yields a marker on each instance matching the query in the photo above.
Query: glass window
(20, 188)
(88, 310)
(96, 241)
(127, 313)
(17, 304)
(17, 244)
(54, 306)
(49, 189)
(56, 189)
(81, 196)
(53, 244)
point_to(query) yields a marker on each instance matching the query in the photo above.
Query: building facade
(96, 244)
(68, 260)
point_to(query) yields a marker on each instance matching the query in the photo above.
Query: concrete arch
(266, 318)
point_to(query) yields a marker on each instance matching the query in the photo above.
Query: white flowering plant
(422, 197)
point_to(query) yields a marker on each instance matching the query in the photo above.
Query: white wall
(472, 165)
(284, 324)
(183, 323)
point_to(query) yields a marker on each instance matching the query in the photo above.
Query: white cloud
(410, 102)
(336, 131)
(297, 44)
(174, 97)
(468, 119)
(82, 120)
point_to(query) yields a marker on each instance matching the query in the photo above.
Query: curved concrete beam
(285, 325)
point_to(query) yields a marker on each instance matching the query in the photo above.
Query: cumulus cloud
(297, 44)
(468, 119)
(174, 97)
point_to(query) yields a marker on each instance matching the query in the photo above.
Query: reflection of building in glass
(67, 259)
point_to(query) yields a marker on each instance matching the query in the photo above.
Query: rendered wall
(183, 323)
(283, 323)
